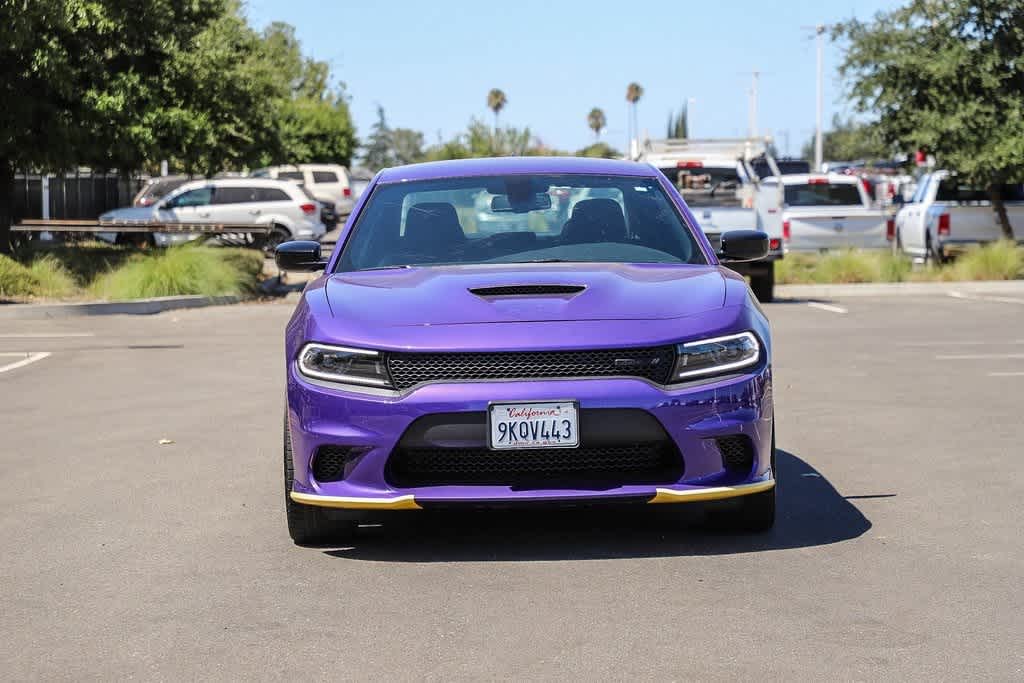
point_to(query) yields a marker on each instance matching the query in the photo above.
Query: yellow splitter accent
(408, 502)
(397, 503)
(712, 493)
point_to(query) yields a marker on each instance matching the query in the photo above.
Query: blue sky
(430, 64)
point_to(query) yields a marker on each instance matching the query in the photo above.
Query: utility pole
(820, 30)
(752, 127)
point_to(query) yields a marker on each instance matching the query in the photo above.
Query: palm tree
(496, 101)
(596, 121)
(634, 91)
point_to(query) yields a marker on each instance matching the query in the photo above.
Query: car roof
(303, 167)
(240, 182)
(243, 182)
(515, 165)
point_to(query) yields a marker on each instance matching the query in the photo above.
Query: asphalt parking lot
(898, 553)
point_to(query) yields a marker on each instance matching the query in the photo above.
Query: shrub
(180, 271)
(42, 277)
(847, 266)
(1002, 260)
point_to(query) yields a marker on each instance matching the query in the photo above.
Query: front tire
(763, 284)
(308, 524)
(276, 236)
(754, 513)
(932, 254)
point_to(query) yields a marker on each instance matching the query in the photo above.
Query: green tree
(377, 154)
(222, 105)
(596, 121)
(948, 77)
(316, 130)
(634, 91)
(406, 145)
(479, 140)
(79, 77)
(676, 128)
(599, 150)
(849, 141)
(496, 101)
(315, 123)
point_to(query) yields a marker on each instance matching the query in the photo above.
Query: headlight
(343, 364)
(716, 356)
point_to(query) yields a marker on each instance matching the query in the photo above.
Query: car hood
(133, 213)
(442, 296)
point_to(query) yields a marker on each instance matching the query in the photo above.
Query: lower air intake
(329, 462)
(737, 453)
(610, 465)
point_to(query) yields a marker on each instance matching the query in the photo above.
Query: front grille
(329, 462)
(737, 453)
(527, 290)
(608, 465)
(654, 363)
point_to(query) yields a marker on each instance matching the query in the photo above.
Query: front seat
(432, 228)
(595, 220)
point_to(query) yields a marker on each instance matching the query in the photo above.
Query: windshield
(950, 190)
(519, 219)
(823, 194)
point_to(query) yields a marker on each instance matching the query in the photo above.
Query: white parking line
(827, 307)
(1006, 374)
(981, 356)
(1008, 342)
(977, 297)
(25, 357)
(46, 335)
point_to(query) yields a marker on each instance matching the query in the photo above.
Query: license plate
(533, 425)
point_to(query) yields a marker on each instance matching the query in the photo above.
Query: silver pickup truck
(833, 211)
(945, 216)
(718, 184)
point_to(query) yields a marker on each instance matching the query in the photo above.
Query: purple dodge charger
(495, 332)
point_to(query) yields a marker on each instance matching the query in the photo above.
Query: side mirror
(743, 245)
(299, 255)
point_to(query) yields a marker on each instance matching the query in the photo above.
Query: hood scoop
(527, 290)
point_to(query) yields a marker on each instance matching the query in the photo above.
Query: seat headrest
(595, 220)
(432, 224)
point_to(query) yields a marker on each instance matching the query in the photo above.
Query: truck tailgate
(835, 227)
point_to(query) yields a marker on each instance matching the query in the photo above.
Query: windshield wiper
(541, 260)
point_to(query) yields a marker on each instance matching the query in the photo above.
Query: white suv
(330, 184)
(286, 207)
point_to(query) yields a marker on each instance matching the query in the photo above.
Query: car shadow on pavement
(810, 513)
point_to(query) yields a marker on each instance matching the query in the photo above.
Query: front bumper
(692, 416)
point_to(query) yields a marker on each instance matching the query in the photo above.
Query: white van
(330, 184)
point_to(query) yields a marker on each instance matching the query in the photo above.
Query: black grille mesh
(329, 463)
(737, 453)
(619, 464)
(526, 290)
(410, 369)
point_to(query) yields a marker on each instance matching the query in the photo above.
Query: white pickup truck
(823, 211)
(720, 187)
(944, 216)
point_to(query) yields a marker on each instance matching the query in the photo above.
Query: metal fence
(81, 195)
